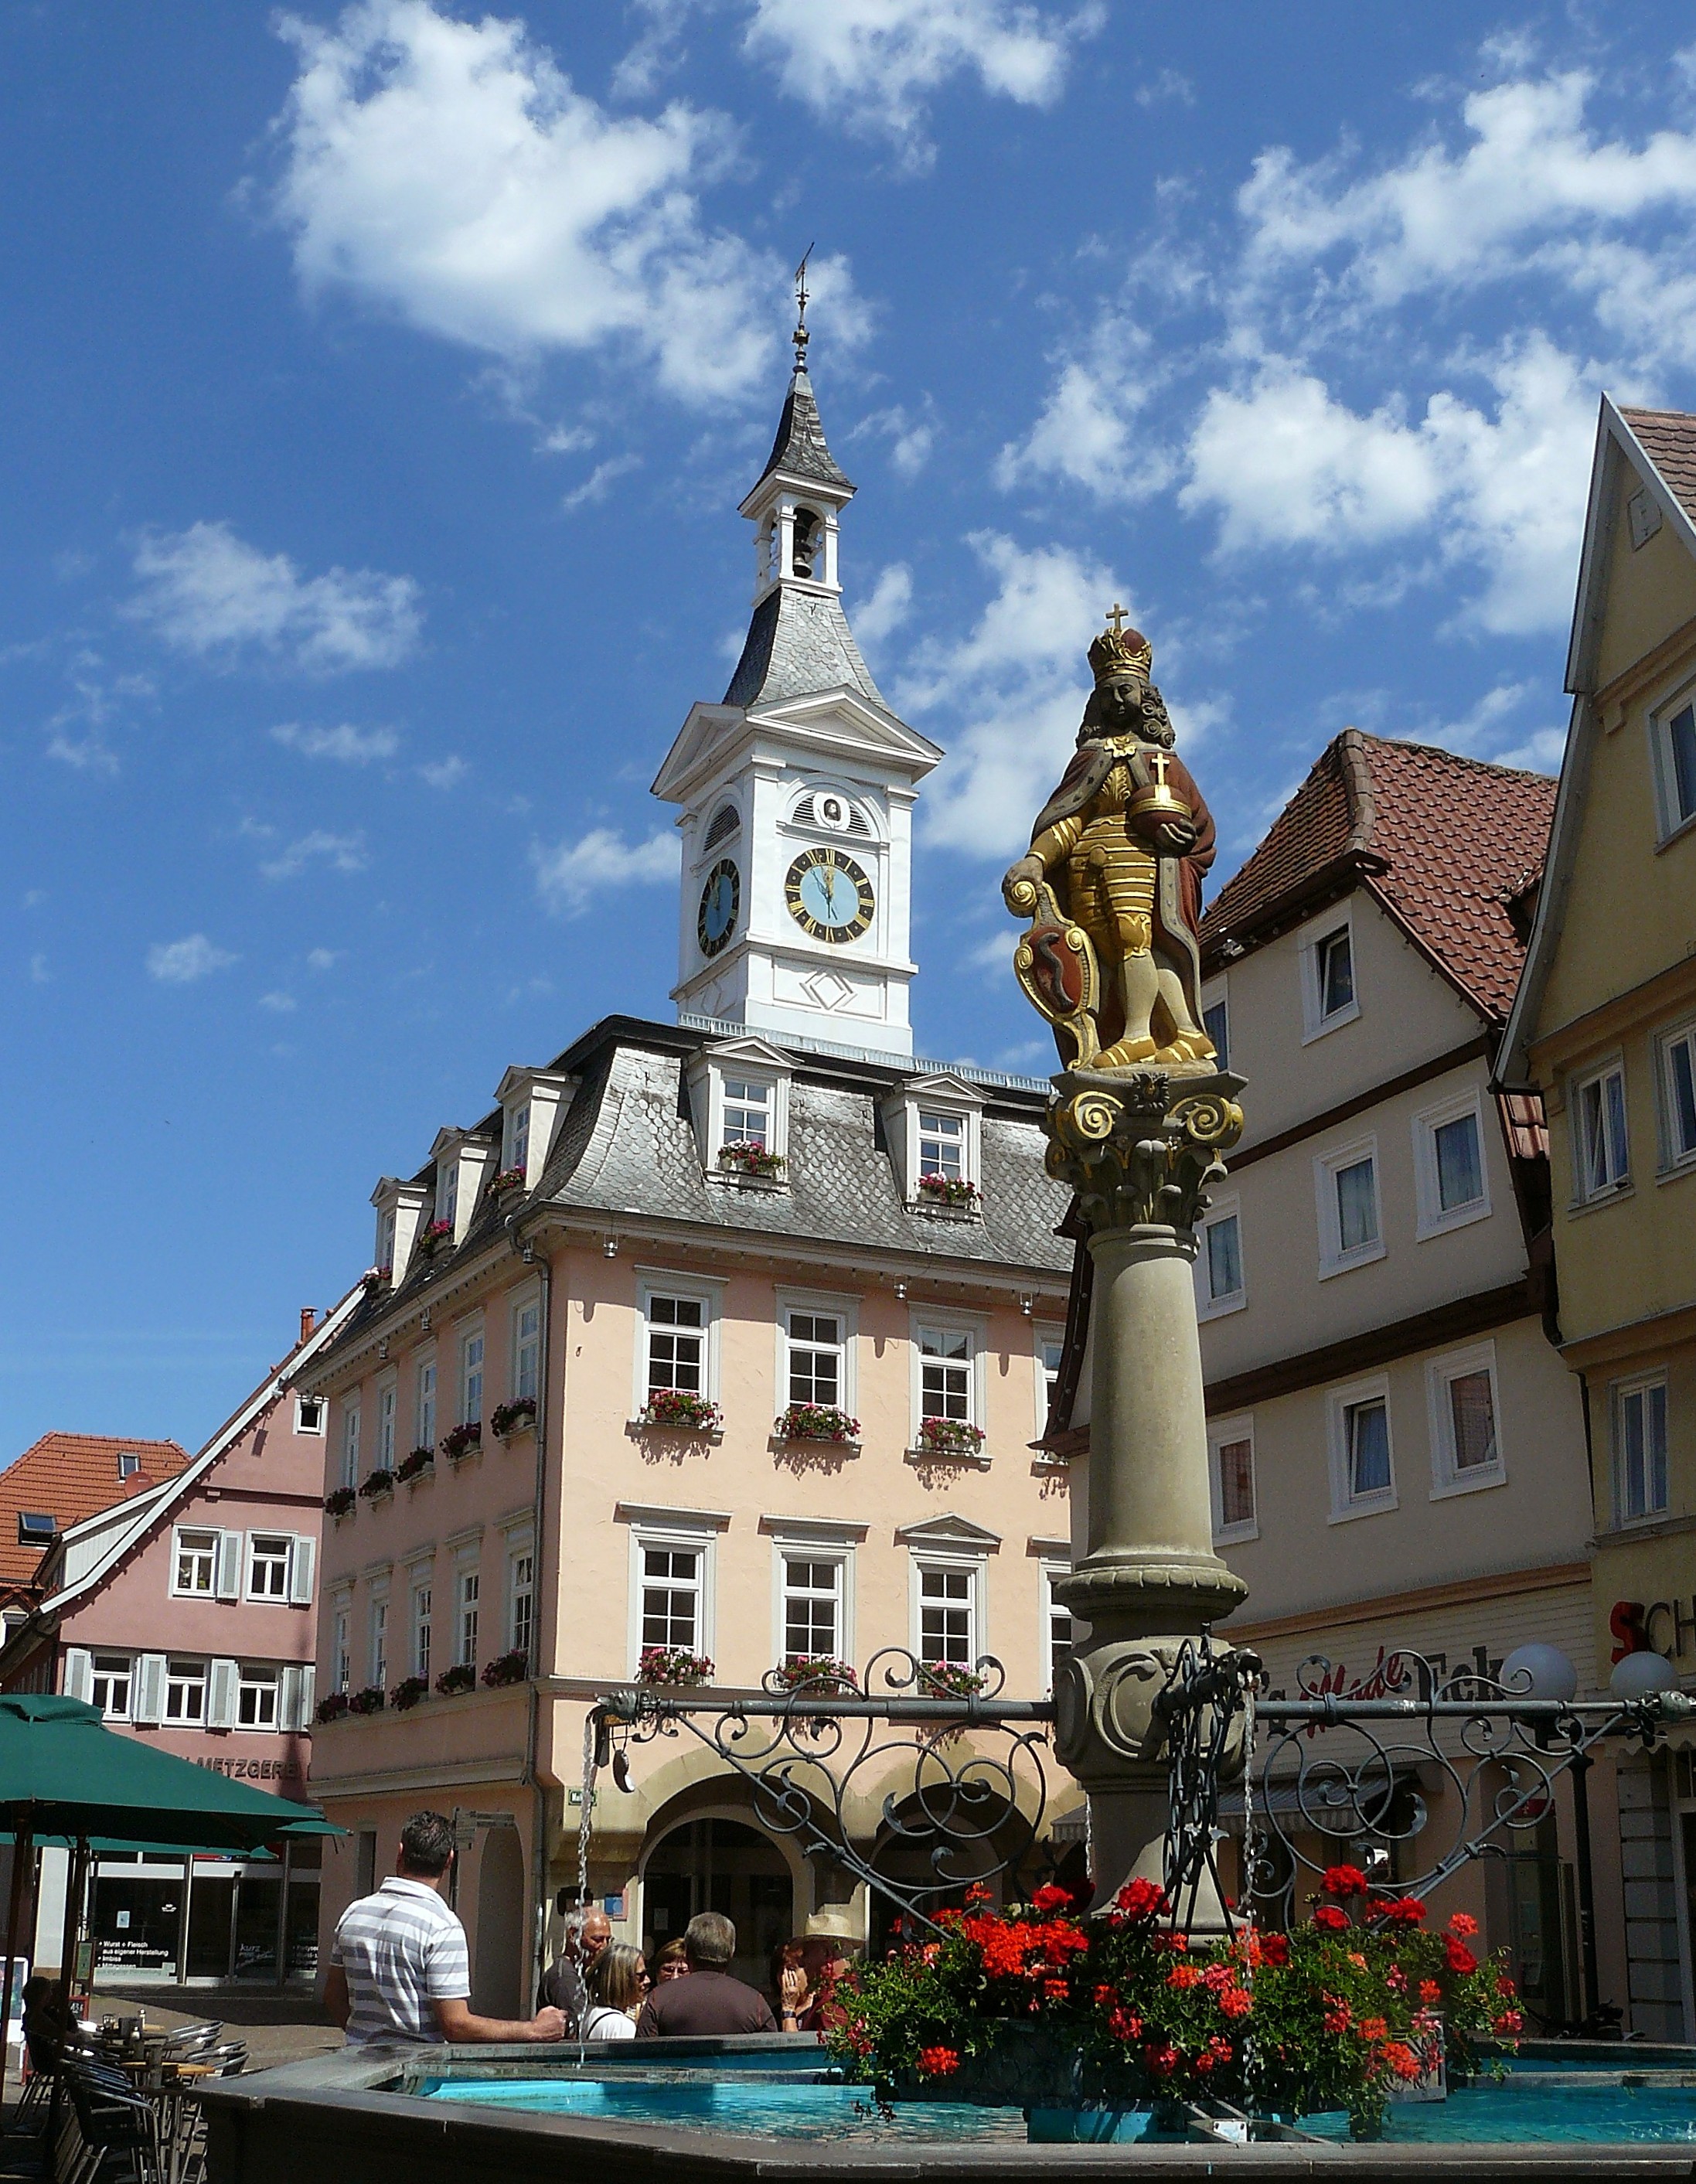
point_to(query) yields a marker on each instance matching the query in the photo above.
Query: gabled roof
(68, 1476)
(798, 449)
(1444, 844)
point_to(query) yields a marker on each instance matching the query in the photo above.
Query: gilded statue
(1112, 881)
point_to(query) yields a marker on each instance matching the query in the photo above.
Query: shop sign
(1390, 1674)
(254, 1771)
(1662, 1627)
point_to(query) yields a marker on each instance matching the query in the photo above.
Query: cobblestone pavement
(278, 2028)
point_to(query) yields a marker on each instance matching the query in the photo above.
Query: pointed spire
(799, 447)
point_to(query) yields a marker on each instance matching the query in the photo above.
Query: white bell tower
(797, 790)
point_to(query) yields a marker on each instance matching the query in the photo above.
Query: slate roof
(1446, 844)
(626, 1147)
(68, 1476)
(1668, 437)
(800, 642)
(799, 446)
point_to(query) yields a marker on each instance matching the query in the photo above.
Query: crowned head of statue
(1124, 701)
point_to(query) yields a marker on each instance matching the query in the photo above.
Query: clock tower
(797, 791)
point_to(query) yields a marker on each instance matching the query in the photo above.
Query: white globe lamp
(1539, 1672)
(1637, 1675)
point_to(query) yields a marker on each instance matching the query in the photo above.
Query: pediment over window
(949, 1531)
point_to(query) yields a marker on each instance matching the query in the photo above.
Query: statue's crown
(1119, 652)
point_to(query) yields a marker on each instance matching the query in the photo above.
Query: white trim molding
(1448, 1475)
(1341, 1404)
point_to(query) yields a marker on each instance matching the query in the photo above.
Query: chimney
(309, 1320)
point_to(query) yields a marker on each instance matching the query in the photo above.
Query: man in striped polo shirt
(398, 1965)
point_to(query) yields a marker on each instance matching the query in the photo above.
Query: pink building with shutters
(187, 1614)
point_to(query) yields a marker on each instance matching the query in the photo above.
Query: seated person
(618, 1982)
(710, 2000)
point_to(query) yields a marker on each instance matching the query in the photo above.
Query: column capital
(1140, 1148)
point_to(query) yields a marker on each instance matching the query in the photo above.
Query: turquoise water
(758, 2111)
(1515, 2115)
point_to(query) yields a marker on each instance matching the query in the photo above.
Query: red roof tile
(68, 1476)
(1668, 438)
(1444, 843)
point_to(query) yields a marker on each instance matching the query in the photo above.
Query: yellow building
(1604, 1026)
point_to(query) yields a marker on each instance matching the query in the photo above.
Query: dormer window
(36, 1529)
(447, 1191)
(515, 1152)
(385, 1240)
(128, 1464)
(739, 1098)
(934, 1127)
(942, 1146)
(531, 1103)
(747, 1112)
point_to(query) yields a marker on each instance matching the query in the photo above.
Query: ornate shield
(1055, 964)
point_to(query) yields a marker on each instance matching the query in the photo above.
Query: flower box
(948, 1437)
(816, 1421)
(372, 1700)
(464, 1440)
(950, 1190)
(461, 1677)
(375, 1482)
(509, 1178)
(420, 1463)
(949, 1679)
(673, 1669)
(752, 1161)
(682, 1409)
(509, 1668)
(408, 1692)
(515, 1418)
(339, 1503)
(437, 1237)
(331, 1707)
(377, 1278)
(817, 1673)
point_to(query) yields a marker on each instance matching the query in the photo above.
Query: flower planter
(670, 1667)
(817, 1674)
(950, 1440)
(507, 1184)
(406, 1694)
(940, 1193)
(331, 1707)
(817, 1421)
(375, 1484)
(461, 1677)
(340, 1503)
(372, 1700)
(511, 1419)
(413, 1470)
(677, 1410)
(512, 1667)
(751, 1164)
(464, 1440)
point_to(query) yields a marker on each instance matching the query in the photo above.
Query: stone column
(1140, 1149)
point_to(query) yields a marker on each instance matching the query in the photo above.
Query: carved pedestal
(1140, 1149)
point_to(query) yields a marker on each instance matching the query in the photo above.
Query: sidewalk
(284, 2027)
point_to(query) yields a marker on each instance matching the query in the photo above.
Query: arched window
(809, 537)
(725, 823)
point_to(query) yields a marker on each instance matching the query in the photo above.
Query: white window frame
(681, 1537)
(386, 1452)
(320, 1407)
(447, 1193)
(196, 1679)
(976, 1329)
(468, 1594)
(388, 1226)
(1669, 821)
(1432, 1219)
(197, 1532)
(923, 1558)
(1207, 1306)
(1326, 1167)
(817, 1539)
(1215, 993)
(1447, 1478)
(350, 1441)
(1043, 1334)
(708, 1075)
(1675, 1160)
(471, 1332)
(528, 1299)
(932, 1096)
(423, 1362)
(1339, 1403)
(521, 1546)
(420, 1618)
(707, 1290)
(1613, 1065)
(949, 1131)
(1049, 1573)
(249, 1592)
(515, 1138)
(342, 1640)
(845, 1310)
(259, 1676)
(1619, 1393)
(1316, 1024)
(111, 1675)
(814, 1558)
(1224, 1433)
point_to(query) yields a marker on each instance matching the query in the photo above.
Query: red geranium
(1374, 2028)
(1460, 1958)
(1429, 1991)
(1464, 1924)
(1276, 1949)
(1508, 2022)
(1331, 1918)
(1405, 1911)
(1343, 1881)
(1184, 1975)
(1050, 1898)
(938, 2062)
(1402, 2059)
(1235, 2000)
(1140, 1899)
(1504, 1985)
(1162, 2060)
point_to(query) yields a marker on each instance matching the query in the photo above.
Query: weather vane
(801, 336)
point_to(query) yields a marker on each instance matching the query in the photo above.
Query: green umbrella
(63, 1773)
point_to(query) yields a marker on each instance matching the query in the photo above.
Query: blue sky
(378, 387)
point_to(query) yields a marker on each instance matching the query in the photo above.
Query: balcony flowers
(463, 1440)
(331, 1707)
(818, 1673)
(682, 1409)
(949, 1679)
(509, 1178)
(1119, 2011)
(461, 1677)
(375, 1482)
(815, 1421)
(948, 1437)
(372, 1700)
(946, 1191)
(509, 1668)
(408, 1692)
(516, 1417)
(741, 1159)
(416, 1464)
(339, 1502)
(673, 1667)
(436, 1237)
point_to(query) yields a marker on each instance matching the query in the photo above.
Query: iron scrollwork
(810, 1750)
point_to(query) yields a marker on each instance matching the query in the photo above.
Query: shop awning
(63, 1773)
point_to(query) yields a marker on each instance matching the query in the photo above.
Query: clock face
(720, 900)
(829, 897)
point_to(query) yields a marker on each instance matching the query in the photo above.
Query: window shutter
(308, 1695)
(79, 1673)
(220, 1695)
(288, 1697)
(300, 1570)
(147, 1706)
(228, 1585)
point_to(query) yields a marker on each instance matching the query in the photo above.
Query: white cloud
(594, 486)
(206, 591)
(444, 772)
(1168, 84)
(569, 875)
(910, 438)
(40, 974)
(449, 171)
(281, 1004)
(1086, 432)
(325, 959)
(348, 746)
(1284, 463)
(1017, 682)
(888, 606)
(873, 64)
(181, 962)
(342, 853)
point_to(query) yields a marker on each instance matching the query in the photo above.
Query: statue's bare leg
(1139, 984)
(1190, 1043)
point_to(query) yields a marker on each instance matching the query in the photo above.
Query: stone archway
(714, 1863)
(497, 1967)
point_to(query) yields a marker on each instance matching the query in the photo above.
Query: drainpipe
(538, 1854)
